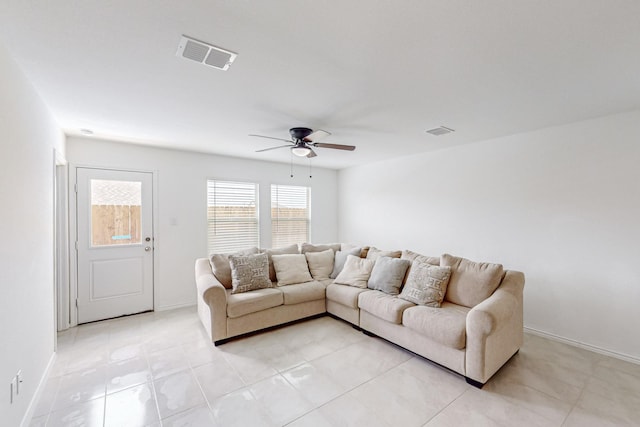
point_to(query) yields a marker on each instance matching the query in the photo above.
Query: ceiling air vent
(439, 131)
(205, 53)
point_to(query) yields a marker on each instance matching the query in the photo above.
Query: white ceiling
(376, 74)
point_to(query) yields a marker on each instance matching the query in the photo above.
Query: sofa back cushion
(387, 275)
(291, 269)
(221, 268)
(411, 256)
(356, 272)
(308, 247)
(291, 249)
(249, 272)
(471, 282)
(320, 263)
(364, 250)
(374, 253)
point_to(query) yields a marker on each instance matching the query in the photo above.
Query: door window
(115, 212)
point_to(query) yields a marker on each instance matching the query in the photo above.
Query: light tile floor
(159, 369)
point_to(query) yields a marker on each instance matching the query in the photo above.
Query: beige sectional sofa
(473, 335)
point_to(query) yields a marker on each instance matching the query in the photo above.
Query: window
(115, 212)
(232, 216)
(290, 215)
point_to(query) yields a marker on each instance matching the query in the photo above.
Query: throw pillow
(291, 249)
(320, 263)
(341, 258)
(221, 268)
(471, 282)
(412, 256)
(249, 272)
(426, 284)
(308, 247)
(291, 269)
(356, 272)
(387, 275)
(374, 253)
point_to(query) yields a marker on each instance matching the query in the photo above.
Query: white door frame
(73, 232)
(62, 252)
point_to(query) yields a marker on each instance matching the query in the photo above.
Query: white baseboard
(595, 349)
(174, 306)
(26, 419)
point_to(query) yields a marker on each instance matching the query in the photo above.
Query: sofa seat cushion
(252, 301)
(386, 307)
(446, 325)
(303, 292)
(344, 294)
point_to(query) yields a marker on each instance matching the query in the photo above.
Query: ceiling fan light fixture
(300, 151)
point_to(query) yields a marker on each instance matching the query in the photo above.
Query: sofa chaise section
(475, 342)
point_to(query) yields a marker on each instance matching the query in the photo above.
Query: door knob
(147, 248)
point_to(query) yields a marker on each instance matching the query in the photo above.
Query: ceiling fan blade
(317, 135)
(311, 153)
(271, 137)
(273, 148)
(334, 146)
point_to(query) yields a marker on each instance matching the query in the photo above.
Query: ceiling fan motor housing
(300, 133)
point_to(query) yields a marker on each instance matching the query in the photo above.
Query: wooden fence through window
(115, 225)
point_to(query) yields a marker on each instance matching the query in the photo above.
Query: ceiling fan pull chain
(310, 175)
(291, 165)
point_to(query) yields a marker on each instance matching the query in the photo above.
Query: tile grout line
(466, 390)
(347, 391)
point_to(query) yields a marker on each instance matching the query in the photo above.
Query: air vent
(439, 131)
(205, 53)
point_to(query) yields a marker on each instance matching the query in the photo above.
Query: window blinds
(290, 215)
(232, 216)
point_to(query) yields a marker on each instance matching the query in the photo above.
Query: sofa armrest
(212, 301)
(495, 328)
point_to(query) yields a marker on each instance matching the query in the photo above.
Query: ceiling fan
(304, 140)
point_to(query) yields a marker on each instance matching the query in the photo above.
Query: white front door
(115, 243)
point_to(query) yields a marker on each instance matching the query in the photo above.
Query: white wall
(28, 137)
(181, 195)
(560, 204)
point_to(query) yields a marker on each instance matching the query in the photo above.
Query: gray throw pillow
(341, 258)
(387, 275)
(426, 284)
(249, 272)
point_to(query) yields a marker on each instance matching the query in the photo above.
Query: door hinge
(76, 302)
(75, 188)
(76, 245)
